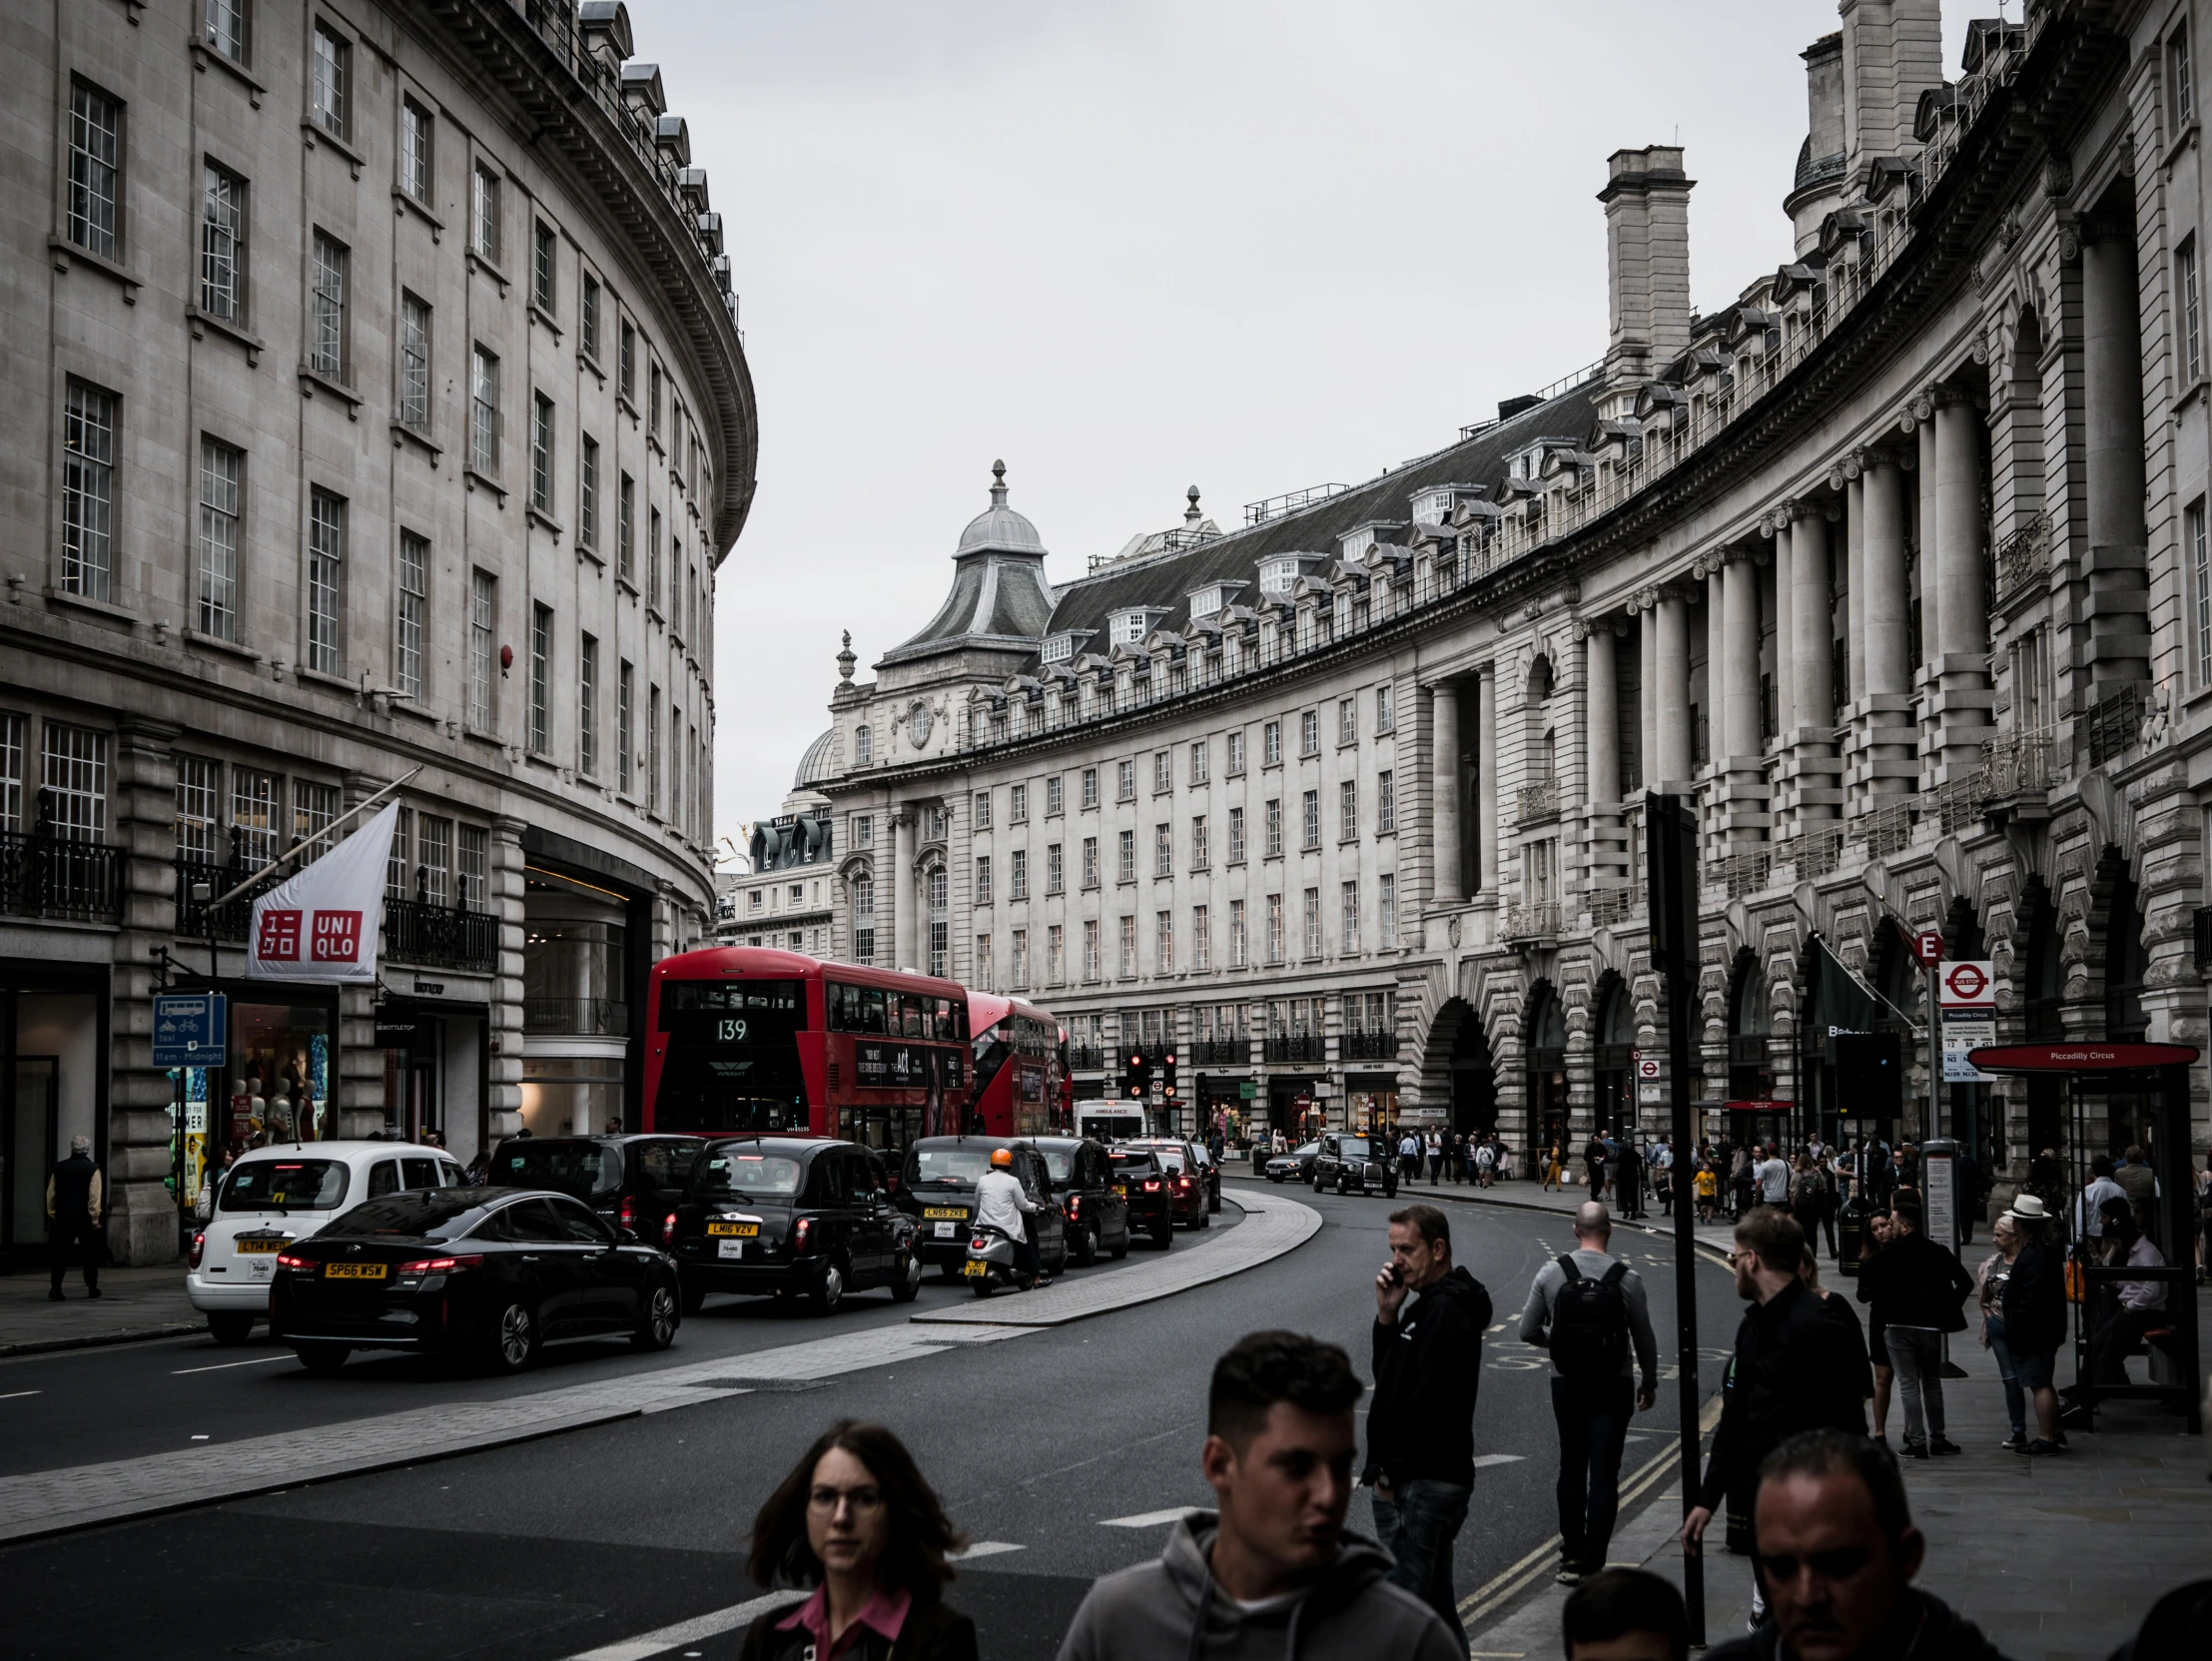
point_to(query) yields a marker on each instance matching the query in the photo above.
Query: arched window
(864, 745)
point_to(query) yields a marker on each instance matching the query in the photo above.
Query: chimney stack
(1647, 219)
(1892, 52)
(1818, 189)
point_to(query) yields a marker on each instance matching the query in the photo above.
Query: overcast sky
(1133, 246)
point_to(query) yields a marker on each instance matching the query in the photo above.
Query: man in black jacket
(1794, 1370)
(1919, 1291)
(72, 1206)
(1421, 1429)
(1836, 1552)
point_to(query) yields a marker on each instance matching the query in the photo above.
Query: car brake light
(668, 1229)
(1182, 1182)
(292, 1259)
(799, 1231)
(441, 1266)
(978, 1243)
(1074, 1204)
(1152, 1184)
(628, 1217)
(199, 1246)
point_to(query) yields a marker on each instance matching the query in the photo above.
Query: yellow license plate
(1122, 1190)
(935, 1212)
(248, 1247)
(354, 1272)
(733, 1231)
(975, 1270)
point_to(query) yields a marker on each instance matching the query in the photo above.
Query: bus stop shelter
(2138, 1093)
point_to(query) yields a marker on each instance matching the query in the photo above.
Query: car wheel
(694, 1294)
(1390, 1191)
(513, 1338)
(230, 1326)
(829, 1291)
(1205, 1220)
(1086, 1248)
(1059, 1265)
(656, 1326)
(1122, 1250)
(908, 1283)
(1343, 1184)
(1213, 1201)
(1165, 1239)
(986, 1285)
(325, 1359)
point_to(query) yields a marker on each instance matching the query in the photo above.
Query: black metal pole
(2179, 1180)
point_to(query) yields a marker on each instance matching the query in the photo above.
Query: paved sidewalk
(2055, 1560)
(134, 1304)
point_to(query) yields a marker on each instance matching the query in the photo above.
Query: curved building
(375, 407)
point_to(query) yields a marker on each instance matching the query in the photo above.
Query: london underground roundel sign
(2091, 1057)
(1966, 983)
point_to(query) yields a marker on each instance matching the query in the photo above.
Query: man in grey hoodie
(1274, 1575)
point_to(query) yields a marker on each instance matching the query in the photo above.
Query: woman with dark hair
(856, 1521)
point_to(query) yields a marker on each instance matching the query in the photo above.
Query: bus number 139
(731, 1029)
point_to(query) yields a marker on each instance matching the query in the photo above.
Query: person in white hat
(2033, 1305)
(1989, 1280)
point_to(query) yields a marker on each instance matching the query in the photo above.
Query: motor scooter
(991, 1261)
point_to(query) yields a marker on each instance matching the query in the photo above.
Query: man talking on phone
(1421, 1428)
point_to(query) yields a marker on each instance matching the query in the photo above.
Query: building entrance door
(30, 1113)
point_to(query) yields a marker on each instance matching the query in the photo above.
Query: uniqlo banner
(324, 922)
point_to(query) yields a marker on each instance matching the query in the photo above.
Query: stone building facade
(1897, 564)
(376, 409)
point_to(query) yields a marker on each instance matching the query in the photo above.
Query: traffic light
(1137, 1081)
(1167, 1074)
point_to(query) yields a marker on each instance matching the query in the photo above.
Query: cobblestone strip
(1273, 1226)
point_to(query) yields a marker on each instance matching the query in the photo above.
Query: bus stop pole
(1670, 880)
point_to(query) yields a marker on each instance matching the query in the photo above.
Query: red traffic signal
(1137, 1081)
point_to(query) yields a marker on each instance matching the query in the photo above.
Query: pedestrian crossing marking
(986, 1548)
(1148, 1519)
(1486, 1461)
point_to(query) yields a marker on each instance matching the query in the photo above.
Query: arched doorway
(1474, 1077)
(1754, 1114)
(1836, 1004)
(1546, 1050)
(1613, 1074)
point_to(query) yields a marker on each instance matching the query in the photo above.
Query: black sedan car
(1142, 1182)
(796, 1217)
(1188, 1194)
(1083, 1181)
(1354, 1164)
(631, 1181)
(491, 1272)
(938, 1190)
(1295, 1165)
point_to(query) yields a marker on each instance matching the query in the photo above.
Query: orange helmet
(1002, 1158)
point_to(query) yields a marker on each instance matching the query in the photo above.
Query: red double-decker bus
(1021, 1068)
(744, 1038)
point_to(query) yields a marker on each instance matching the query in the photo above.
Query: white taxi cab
(275, 1196)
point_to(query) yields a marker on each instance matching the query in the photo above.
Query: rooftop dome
(999, 527)
(814, 766)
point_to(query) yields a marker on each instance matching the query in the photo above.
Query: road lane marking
(986, 1548)
(1486, 1461)
(1148, 1519)
(690, 1633)
(219, 1367)
(13, 1395)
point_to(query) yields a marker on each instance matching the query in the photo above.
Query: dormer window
(1434, 507)
(1058, 648)
(1128, 628)
(1213, 600)
(1278, 577)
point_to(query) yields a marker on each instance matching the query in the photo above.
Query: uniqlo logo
(338, 937)
(280, 937)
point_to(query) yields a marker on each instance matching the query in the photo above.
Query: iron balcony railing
(2018, 763)
(59, 877)
(1887, 827)
(1743, 874)
(1295, 1046)
(2113, 725)
(1819, 852)
(578, 1016)
(229, 921)
(1085, 1057)
(442, 937)
(1534, 920)
(1221, 1052)
(1368, 1046)
(1614, 904)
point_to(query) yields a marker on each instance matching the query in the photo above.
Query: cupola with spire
(999, 604)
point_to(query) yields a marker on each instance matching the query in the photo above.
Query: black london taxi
(937, 1188)
(792, 1216)
(1083, 1181)
(1143, 1181)
(1352, 1164)
(630, 1180)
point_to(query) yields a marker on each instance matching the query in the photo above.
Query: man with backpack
(1589, 1310)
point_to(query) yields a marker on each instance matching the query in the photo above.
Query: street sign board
(1646, 1069)
(1247, 1090)
(191, 1029)
(1928, 946)
(2095, 1057)
(1970, 983)
(1964, 1032)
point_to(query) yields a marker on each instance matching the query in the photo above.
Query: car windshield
(1171, 1159)
(744, 1176)
(1059, 1163)
(1353, 1148)
(286, 1186)
(947, 1167)
(1306, 1151)
(582, 1169)
(433, 1213)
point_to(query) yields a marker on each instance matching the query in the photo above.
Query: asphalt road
(544, 1551)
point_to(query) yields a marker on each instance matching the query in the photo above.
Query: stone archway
(1459, 1050)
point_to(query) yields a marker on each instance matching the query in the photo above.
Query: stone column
(1445, 792)
(905, 952)
(2112, 464)
(1486, 783)
(1609, 853)
(1646, 685)
(1785, 642)
(1812, 764)
(1742, 803)
(1964, 700)
(1924, 672)
(1882, 707)
(1672, 769)
(1852, 476)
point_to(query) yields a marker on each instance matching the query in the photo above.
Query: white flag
(322, 921)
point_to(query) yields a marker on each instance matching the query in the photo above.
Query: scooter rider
(1001, 1203)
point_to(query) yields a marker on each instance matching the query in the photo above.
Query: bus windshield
(732, 1060)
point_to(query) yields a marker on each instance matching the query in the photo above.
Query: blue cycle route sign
(190, 1029)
